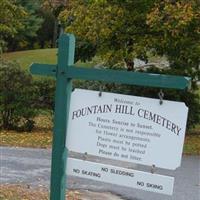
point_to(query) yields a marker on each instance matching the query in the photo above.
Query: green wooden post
(62, 101)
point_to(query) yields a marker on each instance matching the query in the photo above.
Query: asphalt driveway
(32, 166)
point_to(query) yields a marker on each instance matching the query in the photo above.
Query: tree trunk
(55, 33)
(129, 64)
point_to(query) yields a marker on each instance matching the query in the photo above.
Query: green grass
(192, 145)
(46, 56)
(25, 58)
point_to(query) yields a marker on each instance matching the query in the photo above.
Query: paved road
(32, 166)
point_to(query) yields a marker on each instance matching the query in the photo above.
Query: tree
(177, 24)
(55, 7)
(117, 28)
(124, 30)
(24, 39)
(11, 16)
(45, 33)
(17, 97)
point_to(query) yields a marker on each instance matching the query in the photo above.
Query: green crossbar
(64, 72)
(124, 77)
(43, 69)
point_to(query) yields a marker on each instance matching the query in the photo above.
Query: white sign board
(127, 128)
(120, 176)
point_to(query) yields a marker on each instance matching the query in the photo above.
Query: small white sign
(120, 176)
(127, 128)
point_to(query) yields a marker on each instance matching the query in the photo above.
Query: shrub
(17, 97)
(45, 93)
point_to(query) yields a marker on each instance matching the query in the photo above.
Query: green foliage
(26, 24)
(45, 96)
(176, 24)
(85, 50)
(45, 32)
(17, 97)
(31, 24)
(33, 21)
(124, 30)
(116, 28)
(178, 35)
(54, 8)
(11, 16)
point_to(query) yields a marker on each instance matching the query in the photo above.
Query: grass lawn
(45, 56)
(192, 145)
(25, 58)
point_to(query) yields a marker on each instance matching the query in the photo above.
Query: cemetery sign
(127, 128)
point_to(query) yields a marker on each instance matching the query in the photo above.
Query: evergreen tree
(11, 20)
(31, 24)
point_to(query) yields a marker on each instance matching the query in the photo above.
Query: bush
(45, 93)
(17, 97)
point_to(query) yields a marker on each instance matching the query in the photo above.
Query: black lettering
(154, 186)
(140, 183)
(108, 108)
(95, 108)
(152, 117)
(118, 108)
(168, 126)
(77, 171)
(146, 112)
(104, 169)
(76, 114)
(140, 111)
(158, 121)
(173, 129)
(178, 130)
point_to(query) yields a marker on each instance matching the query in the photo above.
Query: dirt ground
(25, 192)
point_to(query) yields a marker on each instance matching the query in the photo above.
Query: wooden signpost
(64, 72)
